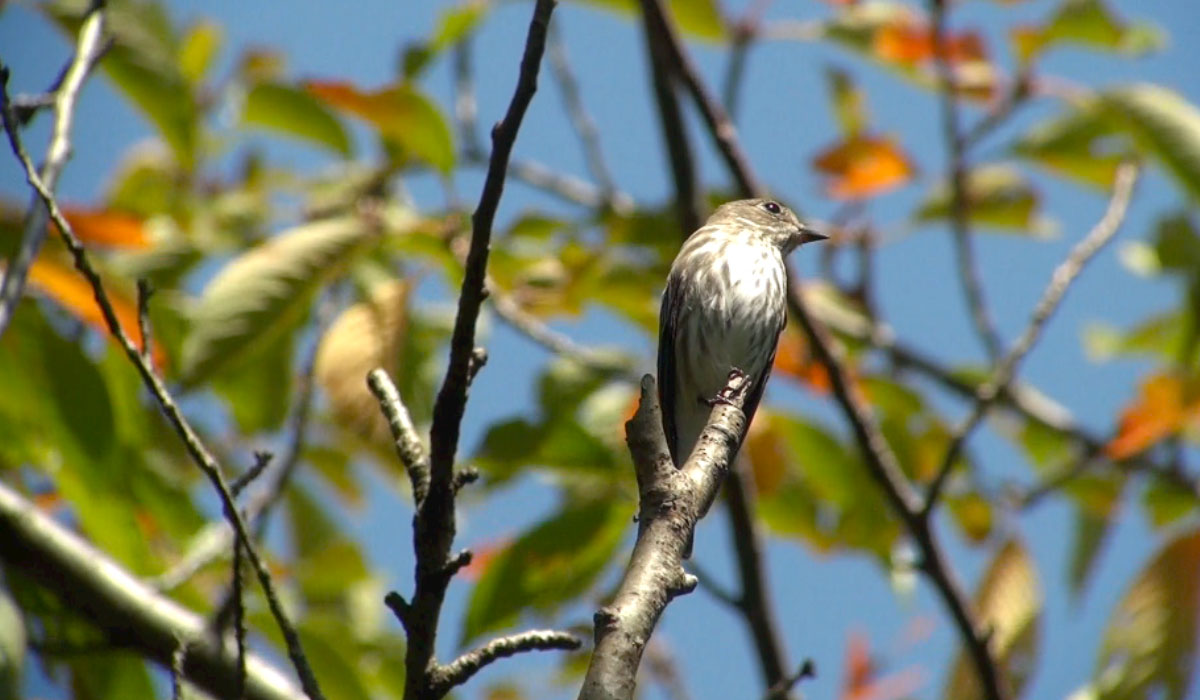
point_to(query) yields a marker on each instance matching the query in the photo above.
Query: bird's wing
(760, 382)
(668, 329)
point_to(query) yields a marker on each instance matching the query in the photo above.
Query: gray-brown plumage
(724, 307)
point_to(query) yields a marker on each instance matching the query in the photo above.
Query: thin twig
(964, 247)
(585, 127)
(89, 46)
(433, 525)
(239, 620)
(808, 669)
(1060, 281)
(262, 458)
(461, 669)
(144, 292)
(195, 447)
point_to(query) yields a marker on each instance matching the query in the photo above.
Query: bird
(723, 309)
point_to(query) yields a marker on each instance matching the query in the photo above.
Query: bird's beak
(808, 235)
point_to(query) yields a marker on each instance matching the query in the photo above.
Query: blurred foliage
(267, 280)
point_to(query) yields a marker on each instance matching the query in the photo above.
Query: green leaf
(1096, 501)
(999, 197)
(453, 25)
(1081, 143)
(263, 292)
(548, 566)
(108, 676)
(1166, 502)
(1165, 125)
(144, 64)
(849, 102)
(258, 388)
(1092, 24)
(1009, 603)
(296, 113)
(699, 18)
(198, 49)
(1149, 642)
(1159, 336)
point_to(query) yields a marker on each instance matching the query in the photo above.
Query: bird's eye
(772, 207)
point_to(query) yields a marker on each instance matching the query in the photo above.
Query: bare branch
(672, 502)
(433, 524)
(964, 249)
(808, 669)
(195, 447)
(404, 432)
(589, 137)
(144, 292)
(461, 669)
(124, 608)
(88, 47)
(721, 129)
(1060, 281)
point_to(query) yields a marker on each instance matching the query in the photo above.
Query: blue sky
(784, 120)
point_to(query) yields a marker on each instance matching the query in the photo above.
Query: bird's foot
(725, 395)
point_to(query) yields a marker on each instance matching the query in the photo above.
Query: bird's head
(776, 223)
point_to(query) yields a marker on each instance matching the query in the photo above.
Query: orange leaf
(794, 359)
(1162, 407)
(107, 227)
(482, 557)
(863, 166)
(909, 41)
(862, 680)
(71, 291)
(384, 108)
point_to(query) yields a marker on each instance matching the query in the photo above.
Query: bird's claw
(725, 395)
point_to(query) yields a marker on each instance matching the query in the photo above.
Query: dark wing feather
(760, 384)
(668, 326)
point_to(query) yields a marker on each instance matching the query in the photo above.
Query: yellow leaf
(863, 166)
(367, 335)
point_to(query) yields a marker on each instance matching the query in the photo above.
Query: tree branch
(88, 47)
(433, 523)
(128, 611)
(461, 669)
(408, 443)
(672, 502)
(721, 129)
(964, 248)
(589, 137)
(194, 446)
(1060, 281)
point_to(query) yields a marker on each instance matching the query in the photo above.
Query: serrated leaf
(1163, 123)
(408, 121)
(1009, 603)
(296, 113)
(999, 197)
(547, 566)
(265, 290)
(1150, 640)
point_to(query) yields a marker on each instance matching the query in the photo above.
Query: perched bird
(724, 307)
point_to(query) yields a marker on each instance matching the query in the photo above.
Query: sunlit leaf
(404, 117)
(1081, 143)
(999, 197)
(1164, 124)
(1166, 501)
(1097, 500)
(1009, 604)
(1088, 23)
(107, 227)
(367, 335)
(863, 678)
(547, 566)
(1165, 403)
(1160, 336)
(197, 50)
(296, 113)
(1150, 640)
(265, 290)
(863, 167)
(453, 24)
(794, 358)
